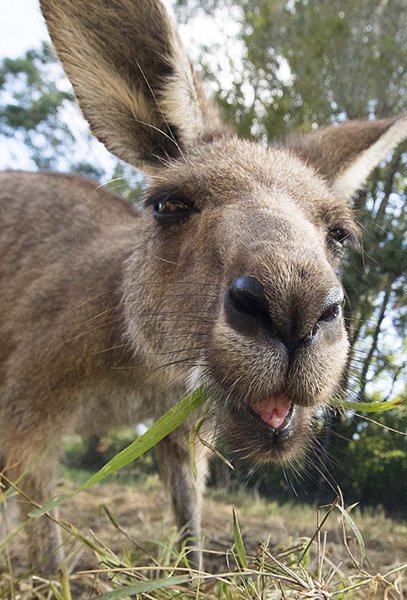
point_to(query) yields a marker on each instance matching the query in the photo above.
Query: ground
(131, 525)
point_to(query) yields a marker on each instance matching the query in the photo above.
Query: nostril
(246, 295)
(332, 305)
(331, 313)
(247, 309)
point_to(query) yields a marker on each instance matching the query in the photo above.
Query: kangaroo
(225, 277)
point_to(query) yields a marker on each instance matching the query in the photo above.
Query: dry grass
(122, 536)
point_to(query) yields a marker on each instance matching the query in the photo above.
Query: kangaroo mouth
(270, 425)
(275, 412)
(272, 429)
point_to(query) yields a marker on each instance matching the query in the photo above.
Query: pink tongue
(273, 410)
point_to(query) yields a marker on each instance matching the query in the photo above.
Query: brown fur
(109, 316)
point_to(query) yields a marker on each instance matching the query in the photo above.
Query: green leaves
(33, 96)
(36, 106)
(369, 407)
(238, 542)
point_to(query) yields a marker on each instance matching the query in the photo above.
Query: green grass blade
(172, 419)
(239, 545)
(142, 587)
(366, 406)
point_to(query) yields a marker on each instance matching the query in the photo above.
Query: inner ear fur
(132, 77)
(346, 154)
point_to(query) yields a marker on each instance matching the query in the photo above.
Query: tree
(40, 121)
(31, 103)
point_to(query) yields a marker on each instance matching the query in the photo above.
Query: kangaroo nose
(247, 310)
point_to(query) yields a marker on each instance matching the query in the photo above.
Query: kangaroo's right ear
(346, 154)
(132, 77)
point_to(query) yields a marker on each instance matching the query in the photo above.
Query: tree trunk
(373, 346)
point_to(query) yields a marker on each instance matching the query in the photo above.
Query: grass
(120, 543)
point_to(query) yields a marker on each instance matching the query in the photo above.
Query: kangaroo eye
(172, 210)
(336, 236)
(170, 207)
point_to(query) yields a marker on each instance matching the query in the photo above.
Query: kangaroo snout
(248, 308)
(280, 348)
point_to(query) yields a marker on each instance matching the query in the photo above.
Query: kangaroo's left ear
(346, 154)
(133, 79)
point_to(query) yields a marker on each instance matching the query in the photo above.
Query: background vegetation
(286, 66)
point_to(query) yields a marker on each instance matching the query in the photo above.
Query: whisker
(108, 349)
(79, 335)
(99, 314)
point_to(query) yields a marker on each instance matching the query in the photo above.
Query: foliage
(90, 453)
(162, 427)
(302, 63)
(32, 102)
(40, 121)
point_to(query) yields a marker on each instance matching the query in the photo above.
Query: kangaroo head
(233, 281)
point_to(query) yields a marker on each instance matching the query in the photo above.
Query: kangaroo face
(241, 292)
(232, 281)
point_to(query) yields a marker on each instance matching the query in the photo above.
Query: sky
(21, 27)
